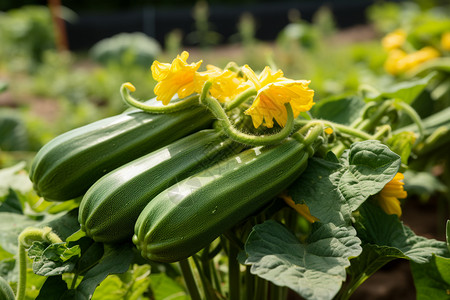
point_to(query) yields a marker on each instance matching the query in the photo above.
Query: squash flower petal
(274, 91)
(302, 209)
(389, 195)
(394, 40)
(445, 41)
(226, 84)
(174, 78)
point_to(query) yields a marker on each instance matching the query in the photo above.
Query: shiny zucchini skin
(68, 165)
(109, 209)
(189, 215)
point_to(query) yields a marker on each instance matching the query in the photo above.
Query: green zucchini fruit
(6, 293)
(109, 209)
(189, 215)
(68, 165)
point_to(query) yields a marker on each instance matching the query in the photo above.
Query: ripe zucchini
(68, 165)
(111, 206)
(184, 218)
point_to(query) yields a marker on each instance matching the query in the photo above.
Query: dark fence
(157, 22)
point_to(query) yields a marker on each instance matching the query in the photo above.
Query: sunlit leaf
(432, 280)
(343, 110)
(374, 226)
(116, 259)
(164, 287)
(314, 269)
(332, 190)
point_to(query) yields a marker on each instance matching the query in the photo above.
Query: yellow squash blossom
(392, 65)
(399, 62)
(302, 209)
(274, 91)
(445, 41)
(174, 78)
(226, 84)
(394, 40)
(416, 58)
(389, 195)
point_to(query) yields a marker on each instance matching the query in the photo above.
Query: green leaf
(14, 178)
(342, 110)
(422, 183)
(164, 287)
(401, 143)
(6, 293)
(65, 225)
(315, 269)
(12, 225)
(11, 203)
(55, 259)
(407, 91)
(372, 258)
(116, 259)
(432, 280)
(332, 190)
(53, 289)
(374, 226)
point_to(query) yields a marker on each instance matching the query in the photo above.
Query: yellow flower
(394, 39)
(174, 78)
(391, 64)
(389, 195)
(225, 83)
(302, 209)
(419, 57)
(274, 91)
(445, 41)
(399, 61)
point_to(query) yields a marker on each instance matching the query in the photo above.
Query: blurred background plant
(45, 92)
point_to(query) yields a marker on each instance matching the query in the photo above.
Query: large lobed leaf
(315, 269)
(332, 189)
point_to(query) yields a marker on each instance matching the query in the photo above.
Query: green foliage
(25, 34)
(432, 280)
(126, 49)
(333, 189)
(13, 132)
(314, 269)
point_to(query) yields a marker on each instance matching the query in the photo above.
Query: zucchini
(109, 209)
(68, 165)
(189, 215)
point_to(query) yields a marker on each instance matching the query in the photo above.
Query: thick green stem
(345, 293)
(170, 108)
(233, 273)
(250, 280)
(415, 117)
(244, 96)
(382, 131)
(25, 239)
(262, 140)
(369, 123)
(260, 289)
(22, 284)
(340, 128)
(189, 279)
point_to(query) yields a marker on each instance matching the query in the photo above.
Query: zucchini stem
(244, 96)
(189, 279)
(261, 140)
(415, 117)
(25, 240)
(185, 103)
